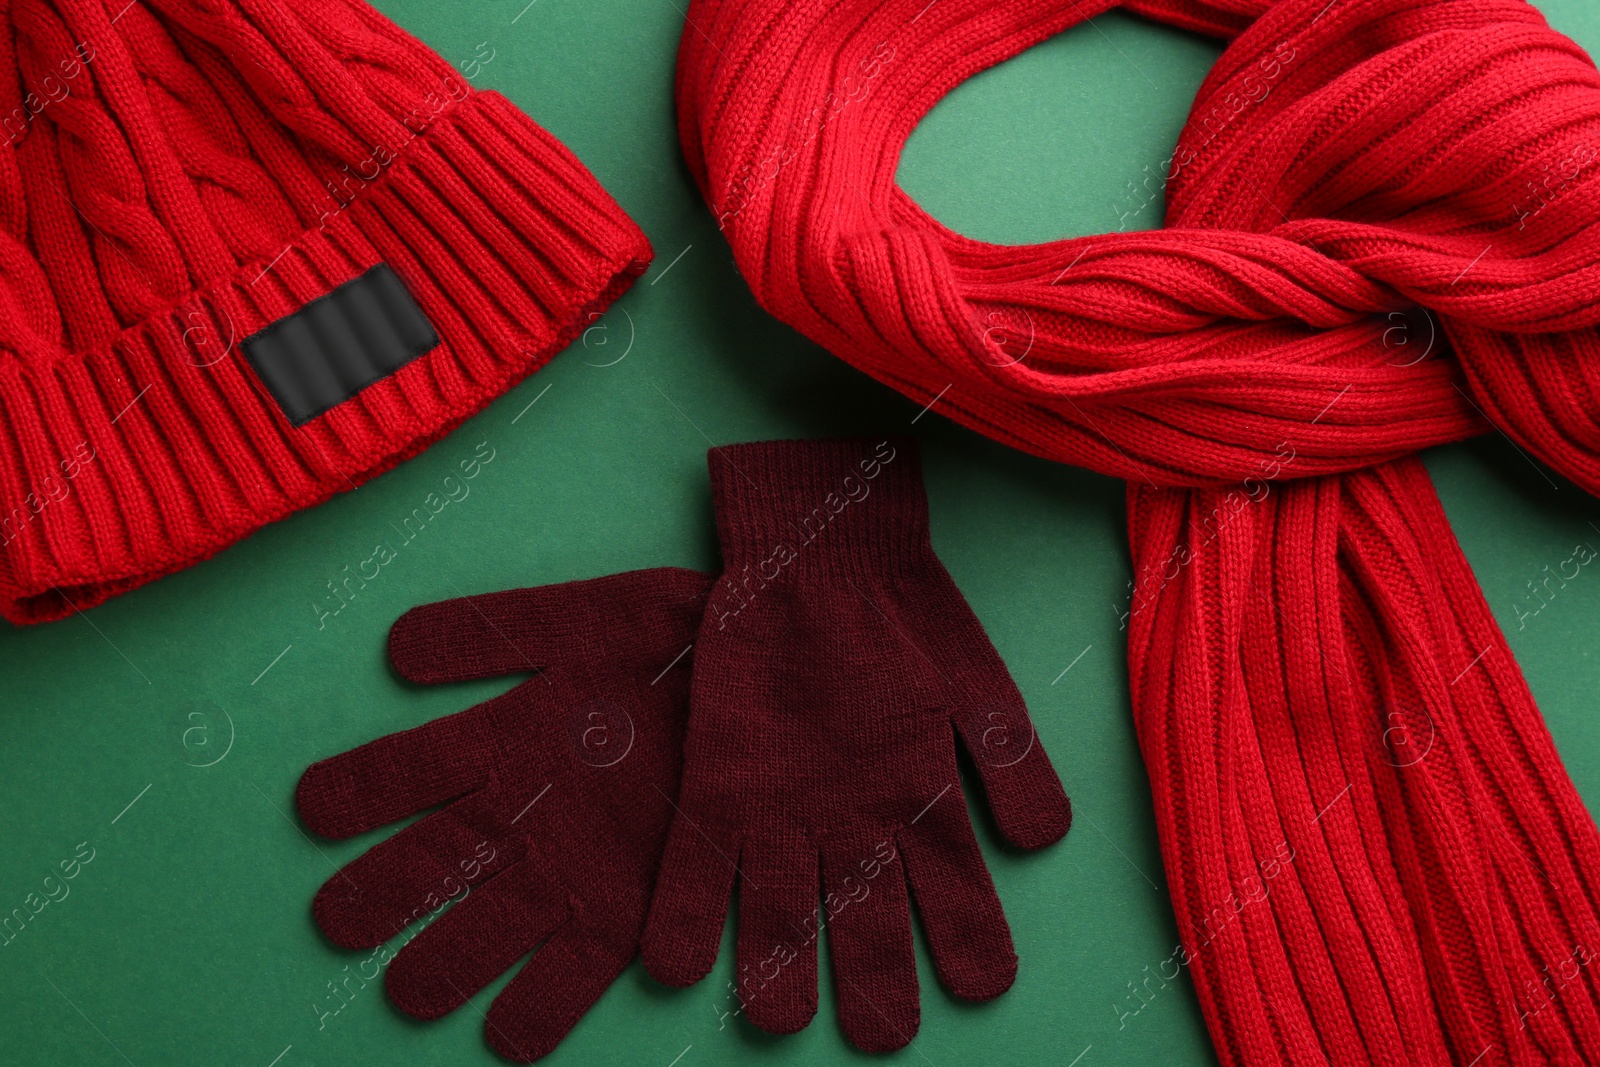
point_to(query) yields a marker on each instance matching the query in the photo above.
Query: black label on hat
(340, 343)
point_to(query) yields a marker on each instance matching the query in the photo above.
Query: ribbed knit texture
(834, 671)
(558, 795)
(1373, 850)
(206, 170)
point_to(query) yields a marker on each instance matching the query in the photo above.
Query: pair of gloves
(607, 805)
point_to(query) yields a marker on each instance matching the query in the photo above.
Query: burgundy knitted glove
(559, 796)
(836, 665)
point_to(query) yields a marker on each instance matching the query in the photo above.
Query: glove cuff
(855, 505)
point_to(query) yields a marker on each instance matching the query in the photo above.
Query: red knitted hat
(253, 253)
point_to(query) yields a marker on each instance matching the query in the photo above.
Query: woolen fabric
(178, 175)
(837, 670)
(1373, 850)
(557, 795)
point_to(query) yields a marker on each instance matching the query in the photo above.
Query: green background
(188, 938)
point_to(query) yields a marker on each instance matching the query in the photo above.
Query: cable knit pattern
(180, 173)
(1373, 850)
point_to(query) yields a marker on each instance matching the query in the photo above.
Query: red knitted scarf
(1373, 850)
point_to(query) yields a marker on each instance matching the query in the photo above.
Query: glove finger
(961, 914)
(412, 875)
(778, 931)
(394, 776)
(1024, 793)
(690, 905)
(546, 999)
(523, 630)
(869, 935)
(478, 636)
(475, 942)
